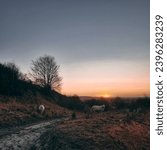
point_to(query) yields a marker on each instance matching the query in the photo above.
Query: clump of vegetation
(73, 116)
(71, 102)
(119, 103)
(133, 104)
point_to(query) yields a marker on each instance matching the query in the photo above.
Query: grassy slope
(23, 110)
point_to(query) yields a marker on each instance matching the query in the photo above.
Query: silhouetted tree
(45, 71)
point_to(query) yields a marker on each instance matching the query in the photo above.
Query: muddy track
(24, 138)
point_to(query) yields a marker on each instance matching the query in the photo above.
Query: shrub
(73, 116)
(71, 102)
(119, 103)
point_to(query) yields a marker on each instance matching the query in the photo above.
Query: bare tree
(45, 71)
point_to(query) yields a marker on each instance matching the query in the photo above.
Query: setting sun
(106, 95)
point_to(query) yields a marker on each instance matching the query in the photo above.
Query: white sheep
(41, 108)
(98, 108)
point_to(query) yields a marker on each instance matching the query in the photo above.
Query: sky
(102, 46)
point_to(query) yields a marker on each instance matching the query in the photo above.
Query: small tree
(45, 71)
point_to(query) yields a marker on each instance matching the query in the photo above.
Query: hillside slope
(24, 109)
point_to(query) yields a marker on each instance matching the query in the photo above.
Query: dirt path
(25, 138)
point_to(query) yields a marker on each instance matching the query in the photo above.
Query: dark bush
(143, 103)
(73, 116)
(131, 103)
(119, 103)
(71, 102)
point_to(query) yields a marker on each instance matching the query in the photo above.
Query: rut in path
(27, 137)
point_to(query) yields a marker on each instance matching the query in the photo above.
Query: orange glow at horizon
(106, 92)
(106, 96)
(105, 79)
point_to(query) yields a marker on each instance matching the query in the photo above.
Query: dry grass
(14, 113)
(104, 131)
(112, 130)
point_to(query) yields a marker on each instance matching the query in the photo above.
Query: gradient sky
(102, 46)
